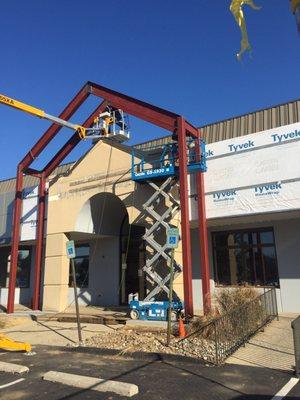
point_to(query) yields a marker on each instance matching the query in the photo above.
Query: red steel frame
(176, 124)
(203, 241)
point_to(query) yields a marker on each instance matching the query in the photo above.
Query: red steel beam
(148, 112)
(138, 108)
(71, 108)
(33, 172)
(191, 130)
(72, 142)
(39, 243)
(203, 243)
(15, 241)
(185, 219)
(23, 165)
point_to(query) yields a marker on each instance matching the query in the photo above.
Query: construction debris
(130, 341)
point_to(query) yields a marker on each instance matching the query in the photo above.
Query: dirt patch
(131, 341)
(9, 322)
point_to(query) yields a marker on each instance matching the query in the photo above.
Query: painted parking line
(12, 383)
(286, 389)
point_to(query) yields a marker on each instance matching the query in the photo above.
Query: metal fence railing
(222, 336)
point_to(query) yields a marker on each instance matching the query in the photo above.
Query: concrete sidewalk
(52, 333)
(272, 348)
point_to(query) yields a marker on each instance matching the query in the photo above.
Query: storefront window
(4, 259)
(81, 266)
(245, 257)
(23, 267)
(23, 271)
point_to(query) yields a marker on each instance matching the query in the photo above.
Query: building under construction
(237, 204)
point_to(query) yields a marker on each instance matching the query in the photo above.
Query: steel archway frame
(172, 122)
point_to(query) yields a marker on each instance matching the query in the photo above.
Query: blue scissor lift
(158, 166)
(167, 164)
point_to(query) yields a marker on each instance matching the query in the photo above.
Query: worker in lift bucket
(106, 125)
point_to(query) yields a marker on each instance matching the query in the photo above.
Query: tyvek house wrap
(257, 173)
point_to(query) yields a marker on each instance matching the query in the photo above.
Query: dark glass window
(245, 257)
(23, 271)
(4, 254)
(81, 266)
(23, 267)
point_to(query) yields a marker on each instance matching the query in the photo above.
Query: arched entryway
(133, 259)
(109, 261)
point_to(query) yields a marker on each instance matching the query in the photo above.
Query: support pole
(170, 297)
(39, 243)
(76, 302)
(185, 219)
(203, 244)
(15, 241)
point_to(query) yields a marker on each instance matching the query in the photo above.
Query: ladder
(161, 207)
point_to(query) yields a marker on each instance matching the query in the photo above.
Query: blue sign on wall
(172, 238)
(70, 246)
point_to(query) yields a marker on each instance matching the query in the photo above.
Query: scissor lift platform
(160, 162)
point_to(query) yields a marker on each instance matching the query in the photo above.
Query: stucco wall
(103, 169)
(287, 237)
(196, 267)
(104, 280)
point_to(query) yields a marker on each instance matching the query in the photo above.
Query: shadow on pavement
(160, 376)
(228, 382)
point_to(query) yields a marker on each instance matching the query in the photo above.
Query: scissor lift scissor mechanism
(161, 217)
(162, 174)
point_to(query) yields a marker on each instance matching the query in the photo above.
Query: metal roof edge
(248, 113)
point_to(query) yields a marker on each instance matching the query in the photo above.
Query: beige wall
(103, 169)
(56, 273)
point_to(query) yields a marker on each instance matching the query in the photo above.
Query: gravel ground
(130, 341)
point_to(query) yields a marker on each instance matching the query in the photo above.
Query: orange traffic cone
(181, 328)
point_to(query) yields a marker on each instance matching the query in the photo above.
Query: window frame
(86, 286)
(251, 248)
(22, 247)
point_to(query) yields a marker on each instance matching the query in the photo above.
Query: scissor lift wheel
(134, 314)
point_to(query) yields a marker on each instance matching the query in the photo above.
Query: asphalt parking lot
(158, 377)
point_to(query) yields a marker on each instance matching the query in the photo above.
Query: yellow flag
(236, 8)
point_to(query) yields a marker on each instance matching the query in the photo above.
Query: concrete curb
(90, 383)
(13, 368)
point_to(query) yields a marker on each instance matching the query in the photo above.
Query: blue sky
(179, 55)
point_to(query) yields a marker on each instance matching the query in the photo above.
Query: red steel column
(203, 242)
(39, 243)
(15, 241)
(185, 219)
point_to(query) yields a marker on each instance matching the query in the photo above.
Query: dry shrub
(200, 322)
(228, 300)
(244, 314)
